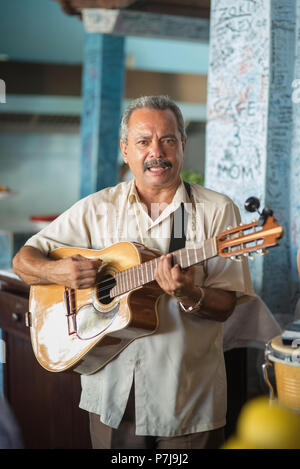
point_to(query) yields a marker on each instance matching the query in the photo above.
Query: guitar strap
(180, 220)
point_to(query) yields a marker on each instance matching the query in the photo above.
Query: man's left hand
(177, 282)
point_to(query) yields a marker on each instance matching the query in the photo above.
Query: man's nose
(156, 149)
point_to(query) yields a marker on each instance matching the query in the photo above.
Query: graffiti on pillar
(295, 166)
(280, 167)
(251, 123)
(295, 156)
(237, 98)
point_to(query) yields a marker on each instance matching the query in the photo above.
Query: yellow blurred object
(235, 442)
(266, 425)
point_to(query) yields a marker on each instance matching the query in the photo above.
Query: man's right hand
(37, 269)
(77, 271)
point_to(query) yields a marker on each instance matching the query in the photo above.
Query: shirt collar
(133, 195)
(180, 196)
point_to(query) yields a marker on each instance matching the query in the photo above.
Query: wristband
(197, 305)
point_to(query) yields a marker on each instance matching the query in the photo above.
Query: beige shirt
(178, 372)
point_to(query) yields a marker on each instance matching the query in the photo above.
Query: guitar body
(77, 329)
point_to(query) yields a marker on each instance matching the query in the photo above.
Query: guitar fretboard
(142, 274)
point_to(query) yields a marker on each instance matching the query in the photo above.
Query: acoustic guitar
(84, 329)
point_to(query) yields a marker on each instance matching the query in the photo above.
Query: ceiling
(29, 37)
(188, 8)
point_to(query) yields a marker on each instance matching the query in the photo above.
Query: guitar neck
(142, 274)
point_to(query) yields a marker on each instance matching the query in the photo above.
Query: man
(166, 390)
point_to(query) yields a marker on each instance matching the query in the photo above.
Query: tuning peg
(252, 204)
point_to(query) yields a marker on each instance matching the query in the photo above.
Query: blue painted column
(250, 125)
(102, 94)
(295, 167)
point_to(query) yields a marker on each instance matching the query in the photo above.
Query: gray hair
(160, 103)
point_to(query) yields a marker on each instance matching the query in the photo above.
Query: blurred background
(42, 55)
(68, 68)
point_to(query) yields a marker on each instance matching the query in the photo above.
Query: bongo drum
(286, 362)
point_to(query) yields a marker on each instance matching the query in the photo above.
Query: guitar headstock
(253, 237)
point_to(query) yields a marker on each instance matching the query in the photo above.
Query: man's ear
(124, 150)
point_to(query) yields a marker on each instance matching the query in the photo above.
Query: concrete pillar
(251, 129)
(295, 168)
(102, 94)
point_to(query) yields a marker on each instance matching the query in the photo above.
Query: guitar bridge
(69, 298)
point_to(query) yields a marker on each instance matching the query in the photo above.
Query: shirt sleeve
(69, 229)
(224, 273)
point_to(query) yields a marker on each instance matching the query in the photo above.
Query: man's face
(154, 151)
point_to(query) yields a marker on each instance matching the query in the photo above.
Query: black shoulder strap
(187, 188)
(180, 220)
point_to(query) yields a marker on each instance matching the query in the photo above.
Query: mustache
(160, 162)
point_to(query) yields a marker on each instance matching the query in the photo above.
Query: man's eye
(142, 142)
(169, 141)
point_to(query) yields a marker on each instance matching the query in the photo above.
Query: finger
(78, 257)
(172, 276)
(173, 273)
(87, 274)
(97, 261)
(86, 279)
(177, 274)
(157, 273)
(167, 265)
(96, 264)
(172, 265)
(87, 283)
(160, 276)
(86, 264)
(189, 274)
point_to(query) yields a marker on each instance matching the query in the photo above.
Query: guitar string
(142, 240)
(110, 283)
(98, 290)
(105, 285)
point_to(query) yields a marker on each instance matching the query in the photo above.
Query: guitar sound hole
(103, 289)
